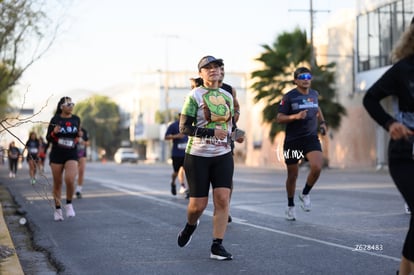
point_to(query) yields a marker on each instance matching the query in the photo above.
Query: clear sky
(107, 42)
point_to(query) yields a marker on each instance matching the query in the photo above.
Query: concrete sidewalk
(9, 261)
(17, 254)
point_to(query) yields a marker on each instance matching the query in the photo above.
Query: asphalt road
(128, 221)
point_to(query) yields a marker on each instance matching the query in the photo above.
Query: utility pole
(167, 75)
(311, 13)
(164, 144)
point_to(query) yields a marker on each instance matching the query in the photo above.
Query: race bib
(66, 143)
(182, 146)
(33, 150)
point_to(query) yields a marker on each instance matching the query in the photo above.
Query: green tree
(101, 118)
(163, 116)
(289, 51)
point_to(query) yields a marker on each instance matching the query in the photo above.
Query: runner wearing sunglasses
(299, 110)
(62, 133)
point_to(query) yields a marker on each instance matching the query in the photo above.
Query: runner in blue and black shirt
(299, 110)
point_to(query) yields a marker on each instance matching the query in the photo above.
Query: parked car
(126, 155)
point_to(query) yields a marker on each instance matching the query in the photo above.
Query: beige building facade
(361, 57)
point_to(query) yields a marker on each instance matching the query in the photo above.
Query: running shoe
(32, 181)
(290, 213)
(219, 253)
(407, 209)
(58, 215)
(183, 189)
(185, 235)
(69, 210)
(306, 203)
(173, 189)
(229, 219)
(78, 195)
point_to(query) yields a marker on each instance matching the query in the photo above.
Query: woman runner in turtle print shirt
(62, 133)
(206, 119)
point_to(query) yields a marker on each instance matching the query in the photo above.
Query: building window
(363, 45)
(379, 30)
(385, 39)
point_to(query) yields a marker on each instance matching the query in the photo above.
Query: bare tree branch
(23, 23)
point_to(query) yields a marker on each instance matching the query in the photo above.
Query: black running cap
(209, 59)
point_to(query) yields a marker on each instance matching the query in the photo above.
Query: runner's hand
(398, 131)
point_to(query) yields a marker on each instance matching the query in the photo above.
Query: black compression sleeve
(187, 128)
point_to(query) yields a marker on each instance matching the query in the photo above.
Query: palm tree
(289, 51)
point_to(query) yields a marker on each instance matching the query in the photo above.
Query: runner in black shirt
(62, 133)
(398, 81)
(32, 147)
(299, 110)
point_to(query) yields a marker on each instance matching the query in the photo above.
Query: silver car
(126, 155)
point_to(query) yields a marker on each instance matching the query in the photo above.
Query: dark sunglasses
(306, 76)
(68, 104)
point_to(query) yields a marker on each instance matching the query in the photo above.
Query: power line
(311, 13)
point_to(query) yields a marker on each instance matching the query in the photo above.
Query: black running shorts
(295, 150)
(60, 156)
(177, 162)
(201, 171)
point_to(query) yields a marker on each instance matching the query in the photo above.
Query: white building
(160, 91)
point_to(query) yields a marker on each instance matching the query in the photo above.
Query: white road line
(317, 241)
(122, 187)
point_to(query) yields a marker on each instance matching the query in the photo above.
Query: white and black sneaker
(306, 202)
(185, 235)
(219, 253)
(290, 213)
(58, 215)
(70, 212)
